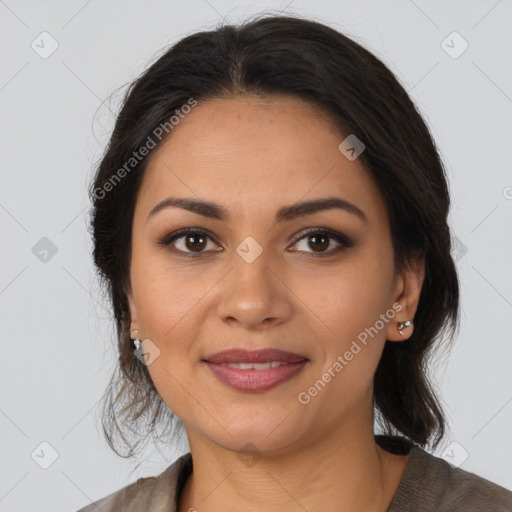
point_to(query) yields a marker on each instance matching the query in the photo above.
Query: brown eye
(189, 242)
(195, 242)
(320, 242)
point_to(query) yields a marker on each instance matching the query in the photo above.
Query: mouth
(242, 356)
(254, 366)
(255, 371)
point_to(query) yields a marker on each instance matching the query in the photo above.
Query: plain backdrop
(61, 61)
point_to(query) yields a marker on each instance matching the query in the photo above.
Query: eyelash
(343, 240)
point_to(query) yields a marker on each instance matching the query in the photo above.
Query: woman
(270, 219)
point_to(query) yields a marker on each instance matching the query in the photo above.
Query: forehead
(247, 151)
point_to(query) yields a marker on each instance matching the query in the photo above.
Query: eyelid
(170, 238)
(343, 240)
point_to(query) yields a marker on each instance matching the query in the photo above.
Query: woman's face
(253, 281)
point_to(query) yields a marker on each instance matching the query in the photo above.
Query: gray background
(55, 324)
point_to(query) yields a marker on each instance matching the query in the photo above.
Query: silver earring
(401, 325)
(135, 339)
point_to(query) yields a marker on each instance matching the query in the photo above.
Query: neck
(347, 469)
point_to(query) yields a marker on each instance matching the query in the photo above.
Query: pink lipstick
(255, 371)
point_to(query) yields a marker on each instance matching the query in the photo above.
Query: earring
(136, 341)
(401, 325)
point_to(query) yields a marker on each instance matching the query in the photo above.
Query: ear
(407, 293)
(134, 321)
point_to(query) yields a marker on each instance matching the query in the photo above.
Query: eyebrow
(285, 213)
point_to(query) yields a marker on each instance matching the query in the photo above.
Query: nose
(254, 295)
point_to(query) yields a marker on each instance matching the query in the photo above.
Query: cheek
(349, 342)
(168, 305)
(173, 302)
(344, 307)
(166, 296)
(349, 298)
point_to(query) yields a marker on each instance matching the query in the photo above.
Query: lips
(257, 370)
(242, 356)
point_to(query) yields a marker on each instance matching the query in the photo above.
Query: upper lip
(264, 355)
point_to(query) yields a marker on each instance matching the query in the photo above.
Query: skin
(253, 156)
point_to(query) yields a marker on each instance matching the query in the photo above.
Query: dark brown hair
(294, 56)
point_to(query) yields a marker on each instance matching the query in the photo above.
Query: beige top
(429, 484)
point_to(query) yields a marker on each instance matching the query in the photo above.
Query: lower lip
(256, 380)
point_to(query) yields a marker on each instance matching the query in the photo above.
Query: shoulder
(431, 483)
(150, 494)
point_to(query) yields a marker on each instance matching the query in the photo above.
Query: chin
(264, 439)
